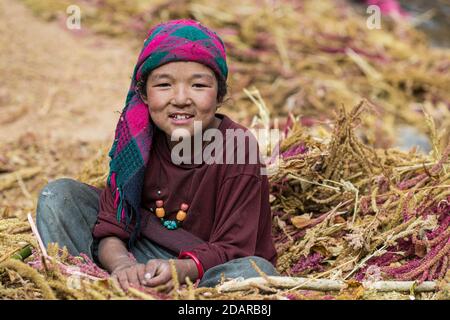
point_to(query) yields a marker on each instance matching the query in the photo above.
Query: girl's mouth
(180, 118)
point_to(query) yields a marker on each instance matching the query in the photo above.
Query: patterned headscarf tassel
(120, 207)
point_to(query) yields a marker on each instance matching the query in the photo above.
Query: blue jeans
(67, 212)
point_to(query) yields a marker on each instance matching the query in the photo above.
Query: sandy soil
(57, 83)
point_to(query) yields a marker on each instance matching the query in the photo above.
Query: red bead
(159, 203)
(184, 206)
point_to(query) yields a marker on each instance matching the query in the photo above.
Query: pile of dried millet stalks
(342, 211)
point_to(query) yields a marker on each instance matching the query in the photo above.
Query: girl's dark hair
(221, 87)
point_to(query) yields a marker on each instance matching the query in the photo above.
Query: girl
(212, 218)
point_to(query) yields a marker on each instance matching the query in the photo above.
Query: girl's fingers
(141, 274)
(156, 281)
(133, 276)
(150, 270)
(115, 280)
(168, 286)
(164, 274)
(123, 280)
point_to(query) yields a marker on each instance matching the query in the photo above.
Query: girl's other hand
(158, 272)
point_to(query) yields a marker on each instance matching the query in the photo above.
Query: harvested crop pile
(306, 57)
(346, 210)
(342, 211)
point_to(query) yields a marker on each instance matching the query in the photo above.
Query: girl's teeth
(180, 117)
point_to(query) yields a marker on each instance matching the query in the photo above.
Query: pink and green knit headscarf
(176, 40)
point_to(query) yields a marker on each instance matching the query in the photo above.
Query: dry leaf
(420, 250)
(302, 221)
(339, 219)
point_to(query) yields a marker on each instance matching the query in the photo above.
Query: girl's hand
(129, 274)
(158, 272)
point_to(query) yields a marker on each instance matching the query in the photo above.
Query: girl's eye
(162, 85)
(200, 85)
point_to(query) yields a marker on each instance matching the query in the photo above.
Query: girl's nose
(181, 96)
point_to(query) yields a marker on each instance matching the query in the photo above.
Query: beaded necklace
(181, 214)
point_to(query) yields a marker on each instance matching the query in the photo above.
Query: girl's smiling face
(181, 92)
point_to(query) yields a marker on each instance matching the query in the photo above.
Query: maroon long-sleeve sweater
(229, 213)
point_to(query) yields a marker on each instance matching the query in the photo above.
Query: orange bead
(160, 213)
(181, 215)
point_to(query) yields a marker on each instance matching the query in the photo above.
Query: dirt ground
(57, 83)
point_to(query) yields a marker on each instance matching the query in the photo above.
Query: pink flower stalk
(405, 209)
(421, 178)
(424, 276)
(299, 234)
(439, 233)
(438, 166)
(364, 204)
(444, 267)
(434, 271)
(83, 263)
(381, 261)
(88, 266)
(406, 184)
(307, 121)
(310, 263)
(412, 264)
(294, 151)
(291, 296)
(425, 261)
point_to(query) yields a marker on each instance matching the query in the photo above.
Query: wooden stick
(37, 236)
(324, 284)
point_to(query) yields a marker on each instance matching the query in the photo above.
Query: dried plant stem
(324, 284)
(176, 283)
(30, 273)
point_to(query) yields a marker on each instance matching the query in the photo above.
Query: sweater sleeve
(107, 224)
(237, 222)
